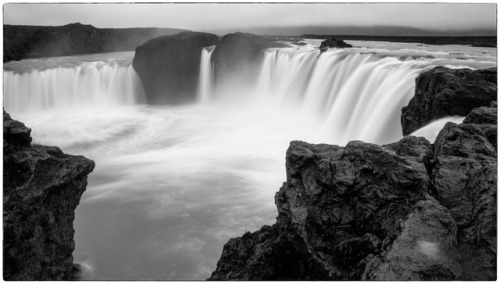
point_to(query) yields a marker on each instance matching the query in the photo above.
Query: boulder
(464, 180)
(339, 207)
(169, 66)
(333, 43)
(442, 92)
(42, 187)
(238, 57)
(404, 211)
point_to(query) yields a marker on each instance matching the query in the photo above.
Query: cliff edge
(442, 92)
(410, 210)
(42, 187)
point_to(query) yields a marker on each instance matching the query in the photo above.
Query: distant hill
(376, 30)
(478, 41)
(46, 41)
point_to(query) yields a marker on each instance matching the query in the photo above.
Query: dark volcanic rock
(333, 43)
(442, 92)
(421, 251)
(339, 207)
(464, 179)
(22, 42)
(404, 211)
(482, 115)
(238, 57)
(169, 66)
(41, 188)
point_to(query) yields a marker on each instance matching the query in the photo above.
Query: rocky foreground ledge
(41, 188)
(410, 210)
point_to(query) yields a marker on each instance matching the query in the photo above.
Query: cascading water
(88, 84)
(206, 76)
(355, 95)
(173, 183)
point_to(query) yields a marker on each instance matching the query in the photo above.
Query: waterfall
(357, 96)
(87, 84)
(205, 84)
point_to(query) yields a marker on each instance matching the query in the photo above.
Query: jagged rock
(464, 177)
(411, 147)
(442, 92)
(238, 56)
(169, 66)
(482, 115)
(421, 251)
(22, 42)
(333, 43)
(262, 255)
(338, 208)
(15, 133)
(404, 211)
(41, 188)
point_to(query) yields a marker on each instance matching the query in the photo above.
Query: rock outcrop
(442, 92)
(464, 179)
(238, 57)
(42, 187)
(169, 66)
(333, 43)
(22, 42)
(404, 211)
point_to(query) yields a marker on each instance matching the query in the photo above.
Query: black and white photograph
(249, 141)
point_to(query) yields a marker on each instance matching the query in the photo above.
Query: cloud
(214, 16)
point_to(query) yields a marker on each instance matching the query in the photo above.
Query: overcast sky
(216, 16)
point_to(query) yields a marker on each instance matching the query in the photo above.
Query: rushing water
(173, 184)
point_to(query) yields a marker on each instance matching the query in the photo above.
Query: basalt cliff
(42, 187)
(20, 42)
(169, 65)
(410, 210)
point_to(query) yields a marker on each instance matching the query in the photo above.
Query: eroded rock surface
(404, 211)
(169, 66)
(442, 92)
(42, 187)
(464, 178)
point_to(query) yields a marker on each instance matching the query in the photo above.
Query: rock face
(404, 211)
(464, 178)
(22, 42)
(42, 187)
(239, 55)
(333, 43)
(169, 66)
(442, 92)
